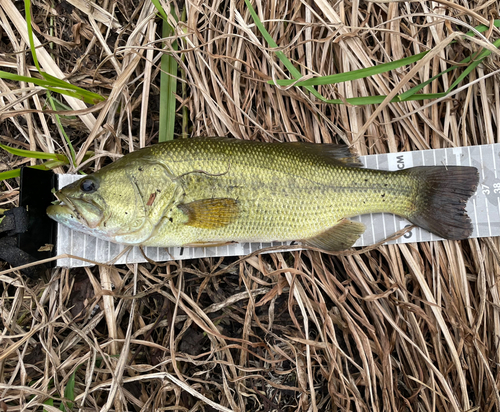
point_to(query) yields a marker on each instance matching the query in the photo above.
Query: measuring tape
(483, 208)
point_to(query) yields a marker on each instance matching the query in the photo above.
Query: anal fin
(339, 237)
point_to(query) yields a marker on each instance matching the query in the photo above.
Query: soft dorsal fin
(336, 154)
(339, 237)
(210, 213)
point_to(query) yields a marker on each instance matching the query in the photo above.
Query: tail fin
(440, 204)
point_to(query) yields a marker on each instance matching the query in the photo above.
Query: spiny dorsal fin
(210, 213)
(339, 237)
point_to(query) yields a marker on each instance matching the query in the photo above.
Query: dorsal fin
(336, 154)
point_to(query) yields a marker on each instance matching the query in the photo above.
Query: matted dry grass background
(399, 328)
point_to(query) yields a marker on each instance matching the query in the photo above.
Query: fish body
(210, 191)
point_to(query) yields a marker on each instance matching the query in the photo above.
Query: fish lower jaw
(62, 211)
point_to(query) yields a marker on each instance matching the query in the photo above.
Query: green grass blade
(270, 41)
(32, 154)
(366, 72)
(160, 9)
(69, 393)
(406, 95)
(19, 78)
(364, 100)
(10, 174)
(60, 107)
(465, 73)
(287, 63)
(475, 63)
(185, 112)
(51, 81)
(27, 9)
(355, 74)
(48, 402)
(168, 88)
(64, 88)
(482, 28)
(61, 128)
(295, 73)
(57, 87)
(49, 165)
(55, 81)
(90, 100)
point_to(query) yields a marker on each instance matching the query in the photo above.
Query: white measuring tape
(483, 208)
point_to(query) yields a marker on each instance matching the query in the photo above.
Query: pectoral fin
(210, 213)
(339, 237)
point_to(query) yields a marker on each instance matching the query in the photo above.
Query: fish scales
(209, 191)
(282, 193)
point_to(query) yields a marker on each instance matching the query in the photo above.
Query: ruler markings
(496, 187)
(498, 203)
(490, 190)
(435, 163)
(60, 235)
(384, 225)
(476, 228)
(374, 240)
(421, 163)
(362, 238)
(493, 155)
(72, 235)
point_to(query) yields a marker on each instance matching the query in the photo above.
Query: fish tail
(442, 193)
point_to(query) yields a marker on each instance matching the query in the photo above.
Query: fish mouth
(86, 212)
(64, 214)
(64, 202)
(63, 207)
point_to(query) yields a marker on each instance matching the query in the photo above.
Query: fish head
(106, 204)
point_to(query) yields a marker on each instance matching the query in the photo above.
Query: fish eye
(88, 186)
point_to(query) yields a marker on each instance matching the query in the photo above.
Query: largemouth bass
(199, 192)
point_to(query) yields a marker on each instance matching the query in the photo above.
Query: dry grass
(398, 328)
